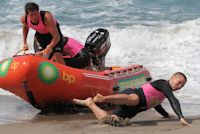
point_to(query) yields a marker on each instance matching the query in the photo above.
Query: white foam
(118, 3)
(11, 42)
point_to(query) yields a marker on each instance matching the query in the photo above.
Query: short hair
(30, 7)
(181, 74)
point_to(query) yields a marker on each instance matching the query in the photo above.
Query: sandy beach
(82, 123)
(18, 117)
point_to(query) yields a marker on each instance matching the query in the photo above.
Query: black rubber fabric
(81, 60)
(130, 111)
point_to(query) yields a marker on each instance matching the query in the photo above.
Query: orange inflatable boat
(40, 81)
(44, 83)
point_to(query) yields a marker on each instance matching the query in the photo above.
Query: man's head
(177, 81)
(32, 10)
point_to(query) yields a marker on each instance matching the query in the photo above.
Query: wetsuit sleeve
(164, 86)
(161, 110)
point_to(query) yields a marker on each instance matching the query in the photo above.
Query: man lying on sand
(132, 101)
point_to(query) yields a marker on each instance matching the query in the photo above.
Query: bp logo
(4, 66)
(48, 73)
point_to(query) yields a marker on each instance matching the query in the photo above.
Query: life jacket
(72, 48)
(153, 96)
(42, 36)
(40, 27)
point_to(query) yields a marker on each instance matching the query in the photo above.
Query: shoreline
(86, 123)
(18, 117)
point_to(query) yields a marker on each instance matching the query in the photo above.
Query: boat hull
(41, 82)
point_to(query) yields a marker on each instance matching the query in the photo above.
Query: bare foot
(98, 98)
(86, 102)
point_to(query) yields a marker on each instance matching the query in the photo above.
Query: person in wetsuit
(49, 41)
(133, 101)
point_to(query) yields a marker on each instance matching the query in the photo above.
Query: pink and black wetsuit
(150, 95)
(74, 53)
(153, 96)
(42, 36)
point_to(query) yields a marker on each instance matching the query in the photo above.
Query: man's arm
(162, 111)
(50, 24)
(174, 102)
(25, 31)
(164, 87)
(167, 90)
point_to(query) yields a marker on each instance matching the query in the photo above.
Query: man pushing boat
(49, 41)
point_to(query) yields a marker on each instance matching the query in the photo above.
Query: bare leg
(98, 112)
(131, 99)
(101, 114)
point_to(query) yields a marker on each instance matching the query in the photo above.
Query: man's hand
(98, 98)
(58, 57)
(44, 53)
(25, 47)
(184, 122)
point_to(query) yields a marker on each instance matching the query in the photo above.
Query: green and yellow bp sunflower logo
(4, 66)
(47, 72)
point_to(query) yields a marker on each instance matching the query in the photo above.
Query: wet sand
(17, 117)
(146, 122)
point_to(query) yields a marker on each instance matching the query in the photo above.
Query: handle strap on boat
(29, 94)
(22, 50)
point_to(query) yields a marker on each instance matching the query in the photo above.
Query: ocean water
(162, 35)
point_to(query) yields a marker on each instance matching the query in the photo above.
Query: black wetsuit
(161, 85)
(81, 60)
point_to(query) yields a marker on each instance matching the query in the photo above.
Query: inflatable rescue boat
(42, 82)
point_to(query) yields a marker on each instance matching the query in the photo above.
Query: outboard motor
(98, 44)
